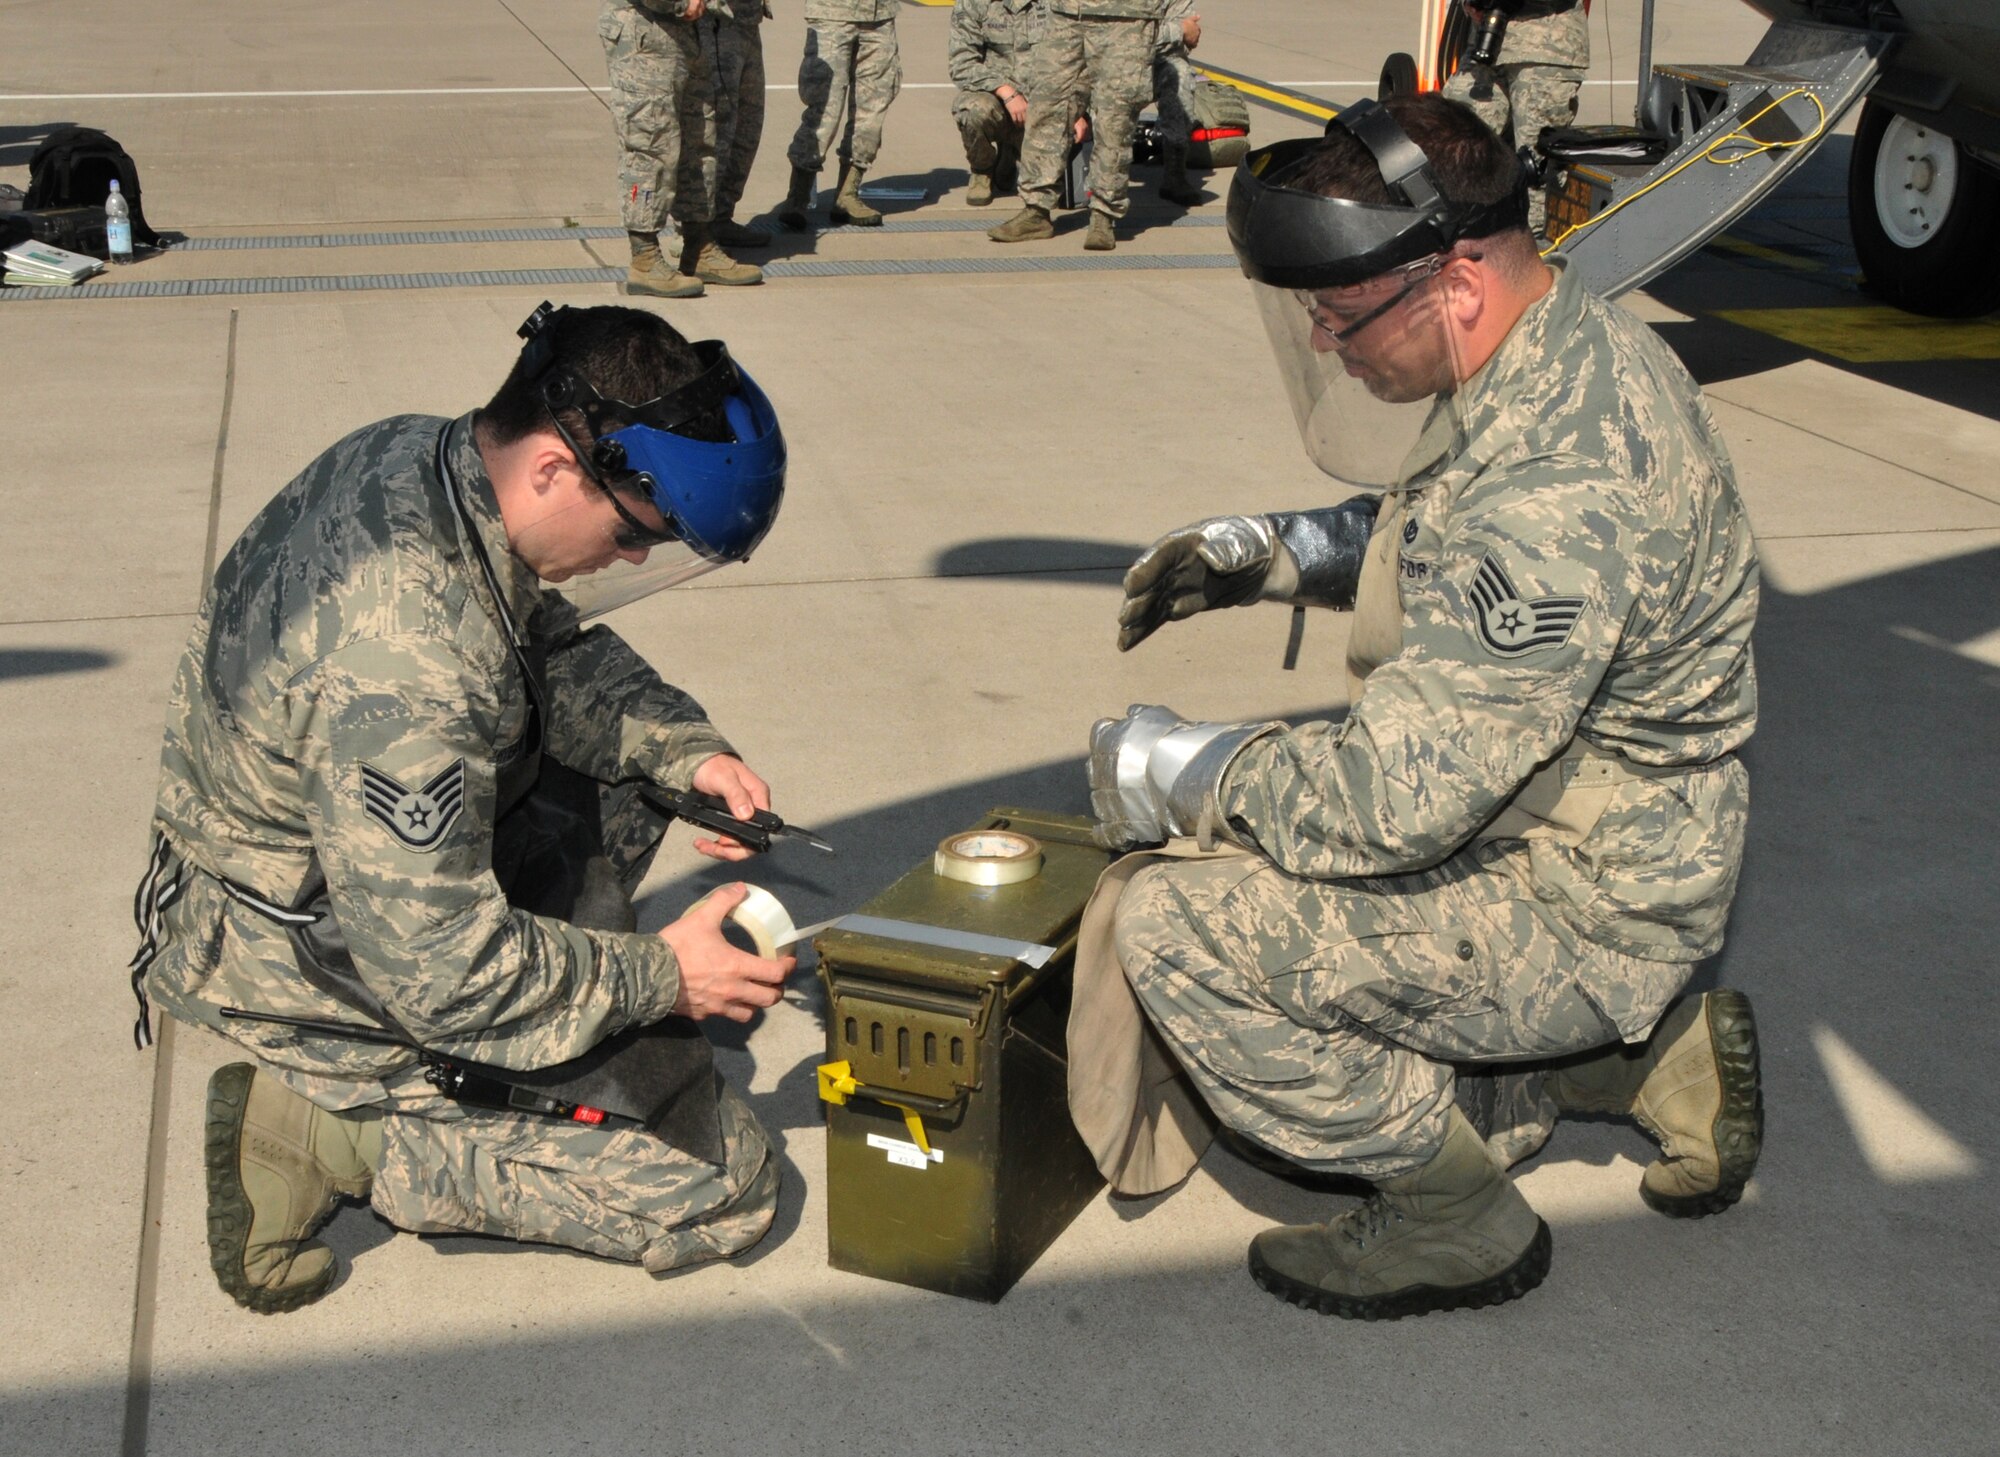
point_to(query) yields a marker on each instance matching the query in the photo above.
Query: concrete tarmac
(377, 194)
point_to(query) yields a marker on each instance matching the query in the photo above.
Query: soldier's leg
(1173, 93)
(1480, 88)
(1542, 97)
(1055, 78)
(878, 76)
(1119, 63)
(648, 70)
(619, 1193)
(736, 54)
(826, 72)
(982, 125)
(1322, 1019)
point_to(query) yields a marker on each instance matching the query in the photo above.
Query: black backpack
(74, 168)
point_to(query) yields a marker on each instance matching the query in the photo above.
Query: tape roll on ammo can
(951, 1161)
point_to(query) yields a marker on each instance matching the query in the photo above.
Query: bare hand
(729, 779)
(1191, 31)
(1017, 106)
(696, 9)
(1081, 129)
(718, 980)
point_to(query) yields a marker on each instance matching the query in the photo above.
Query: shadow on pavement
(47, 662)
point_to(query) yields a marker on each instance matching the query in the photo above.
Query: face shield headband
(1294, 239)
(719, 498)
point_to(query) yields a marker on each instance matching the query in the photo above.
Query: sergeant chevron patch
(417, 817)
(1511, 627)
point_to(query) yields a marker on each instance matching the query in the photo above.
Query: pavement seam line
(1865, 454)
(552, 53)
(146, 1282)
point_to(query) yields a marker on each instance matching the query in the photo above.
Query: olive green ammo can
(963, 1052)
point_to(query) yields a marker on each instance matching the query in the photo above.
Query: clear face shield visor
(1371, 371)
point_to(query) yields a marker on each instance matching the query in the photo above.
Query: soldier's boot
(277, 1165)
(652, 275)
(1453, 1233)
(847, 204)
(979, 190)
(1175, 185)
(1029, 223)
(1100, 238)
(1695, 1087)
(704, 258)
(732, 234)
(795, 212)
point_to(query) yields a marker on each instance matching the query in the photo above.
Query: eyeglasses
(1418, 273)
(632, 534)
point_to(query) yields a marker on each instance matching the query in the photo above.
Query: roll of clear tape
(764, 920)
(988, 857)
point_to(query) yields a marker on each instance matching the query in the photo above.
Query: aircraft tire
(1937, 257)
(1399, 76)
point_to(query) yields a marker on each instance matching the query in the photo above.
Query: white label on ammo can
(902, 1151)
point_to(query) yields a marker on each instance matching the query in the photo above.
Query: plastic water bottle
(118, 225)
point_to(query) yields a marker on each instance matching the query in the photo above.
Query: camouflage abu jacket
(990, 42)
(350, 652)
(1579, 577)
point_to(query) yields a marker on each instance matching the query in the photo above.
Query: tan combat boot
(1029, 223)
(277, 1165)
(732, 234)
(979, 190)
(1695, 1087)
(1175, 185)
(651, 275)
(847, 204)
(1454, 1233)
(1100, 238)
(795, 212)
(702, 257)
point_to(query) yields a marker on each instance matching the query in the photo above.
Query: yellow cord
(1738, 135)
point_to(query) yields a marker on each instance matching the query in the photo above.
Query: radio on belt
(951, 1161)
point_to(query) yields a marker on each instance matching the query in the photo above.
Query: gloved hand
(1220, 562)
(1154, 774)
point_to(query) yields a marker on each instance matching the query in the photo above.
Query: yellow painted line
(935, 4)
(1748, 249)
(1874, 333)
(1286, 100)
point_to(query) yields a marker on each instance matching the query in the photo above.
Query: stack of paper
(43, 265)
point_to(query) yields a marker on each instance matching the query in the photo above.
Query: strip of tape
(1025, 952)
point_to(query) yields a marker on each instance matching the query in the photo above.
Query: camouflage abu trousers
(1323, 1019)
(988, 132)
(620, 1193)
(1534, 86)
(845, 62)
(1173, 94)
(1108, 62)
(734, 52)
(664, 115)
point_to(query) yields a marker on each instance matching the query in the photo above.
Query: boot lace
(1369, 1221)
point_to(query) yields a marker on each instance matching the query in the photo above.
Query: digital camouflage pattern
(732, 47)
(1534, 85)
(664, 113)
(349, 695)
(350, 639)
(1173, 75)
(990, 46)
(851, 60)
(1579, 574)
(615, 1192)
(1096, 54)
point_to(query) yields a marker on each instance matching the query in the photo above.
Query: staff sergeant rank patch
(417, 817)
(1511, 627)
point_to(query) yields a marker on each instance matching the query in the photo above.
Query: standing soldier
(991, 42)
(851, 61)
(1103, 50)
(1173, 94)
(1526, 831)
(1534, 81)
(732, 42)
(663, 106)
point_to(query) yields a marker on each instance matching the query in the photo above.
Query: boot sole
(229, 1211)
(844, 219)
(1738, 1129)
(633, 290)
(1510, 1284)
